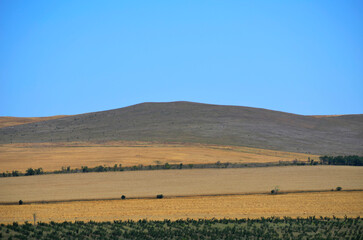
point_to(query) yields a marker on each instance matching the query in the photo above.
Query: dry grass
(339, 204)
(178, 182)
(325, 116)
(13, 121)
(52, 156)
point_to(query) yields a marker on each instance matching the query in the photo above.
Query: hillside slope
(203, 123)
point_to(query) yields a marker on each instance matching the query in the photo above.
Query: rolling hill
(201, 123)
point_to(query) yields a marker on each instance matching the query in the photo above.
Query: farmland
(264, 228)
(181, 134)
(184, 182)
(54, 156)
(294, 205)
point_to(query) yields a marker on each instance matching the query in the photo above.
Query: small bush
(159, 196)
(29, 172)
(20, 202)
(167, 166)
(275, 190)
(123, 197)
(338, 188)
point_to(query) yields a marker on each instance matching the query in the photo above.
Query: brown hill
(202, 123)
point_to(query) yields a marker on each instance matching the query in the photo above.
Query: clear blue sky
(70, 57)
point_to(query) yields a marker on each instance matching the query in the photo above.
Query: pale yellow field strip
(324, 116)
(53, 156)
(339, 204)
(13, 121)
(178, 182)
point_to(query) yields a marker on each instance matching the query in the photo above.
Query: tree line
(141, 167)
(352, 160)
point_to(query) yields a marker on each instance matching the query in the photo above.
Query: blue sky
(70, 57)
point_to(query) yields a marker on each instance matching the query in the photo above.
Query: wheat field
(329, 204)
(54, 156)
(185, 182)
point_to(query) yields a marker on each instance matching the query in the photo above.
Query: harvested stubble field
(54, 156)
(186, 182)
(329, 204)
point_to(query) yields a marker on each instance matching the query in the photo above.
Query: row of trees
(330, 160)
(166, 166)
(117, 168)
(28, 172)
(352, 160)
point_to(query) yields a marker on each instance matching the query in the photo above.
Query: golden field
(13, 121)
(54, 156)
(185, 182)
(339, 204)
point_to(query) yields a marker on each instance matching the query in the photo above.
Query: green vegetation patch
(263, 228)
(351, 160)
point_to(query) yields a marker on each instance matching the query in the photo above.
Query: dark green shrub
(39, 171)
(84, 169)
(338, 188)
(20, 202)
(29, 172)
(275, 190)
(100, 169)
(159, 196)
(123, 197)
(166, 166)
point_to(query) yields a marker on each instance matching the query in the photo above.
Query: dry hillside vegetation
(339, 204)
(13, 121)
(185, 182)
(325, 116)
(53, 156)
(188, 122)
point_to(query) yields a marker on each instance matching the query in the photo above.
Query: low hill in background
(201, 123)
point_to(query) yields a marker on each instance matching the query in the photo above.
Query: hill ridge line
(201, 123)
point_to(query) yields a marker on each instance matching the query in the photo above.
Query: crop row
(263, 228)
